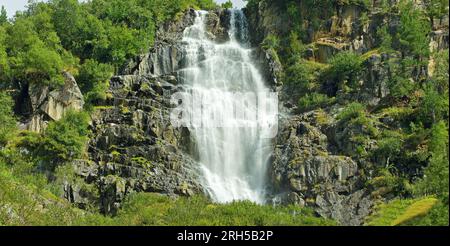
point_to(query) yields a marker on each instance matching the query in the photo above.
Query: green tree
(400, 86)
(69, 19)
(385, 39)
(93, 80)
(227, 5)
(435, 181)
(345, 67)
(413, 31)
(302, 76)
(7, 121)
(440, 76)
(4, 66)
(65, 140)
(30, 59)
(296, 48)
(92, 73)
(124, 44)
(3, 16)
(435, 9)
(433, 107)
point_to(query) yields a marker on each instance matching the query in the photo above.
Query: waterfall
(233, 158)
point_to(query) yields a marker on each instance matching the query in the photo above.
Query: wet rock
(217, 24)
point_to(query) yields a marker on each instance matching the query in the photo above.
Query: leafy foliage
(227, 5)
(413, 33)
(7, 121)
(435, 180)
(65, 139)
(311, 101)
(345, 68)
(93, 80)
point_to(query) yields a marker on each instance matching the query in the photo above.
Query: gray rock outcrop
(304, 172)
(50, 105)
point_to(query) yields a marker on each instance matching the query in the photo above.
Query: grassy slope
(409, 212)
(26, 200)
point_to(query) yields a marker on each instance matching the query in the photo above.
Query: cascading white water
(233, 158)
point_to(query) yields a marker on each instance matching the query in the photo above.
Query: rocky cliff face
(40, 104)
(314, 162)
(133, 147)
(306, 171)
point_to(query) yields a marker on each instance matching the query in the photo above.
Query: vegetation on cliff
(325, 67)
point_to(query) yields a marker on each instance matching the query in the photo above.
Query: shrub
(353, 110)
(64, 140)
(400, 86)
(433, 107)
(7, 121)
(314, 100)
(390, 147)
(345, 68)
(271, 42)
(303, 76)
(227, 5)
(413, 31)
(436, 181)
(92, 73)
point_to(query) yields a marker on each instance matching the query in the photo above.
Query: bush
(92, 73)
(400, 87)
(390, 147)
(433, 107)
(93, 80)
(345, 68)
(303, 77)
(413, 31)
(7, 121)
(271, 42)
(436, 179)
(314, 100)
(227, 5)
(65, 140)
(353, 110)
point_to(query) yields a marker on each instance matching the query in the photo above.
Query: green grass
(155, 209)
(403, 212)
(417, 209)
(25, 199)
(370, 53)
